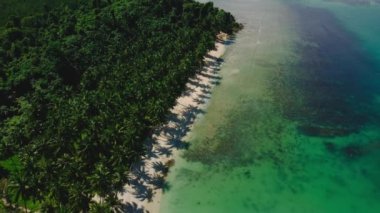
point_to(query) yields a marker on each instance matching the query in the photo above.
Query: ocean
(294, 125)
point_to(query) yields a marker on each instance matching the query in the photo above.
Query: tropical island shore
(147, 179)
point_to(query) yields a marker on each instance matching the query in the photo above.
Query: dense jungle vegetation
(82, 86)
(21, 8)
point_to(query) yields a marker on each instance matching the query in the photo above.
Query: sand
(147, 178)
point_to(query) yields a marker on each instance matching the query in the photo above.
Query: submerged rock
(320, 131)
(352, 151)
(331, 147)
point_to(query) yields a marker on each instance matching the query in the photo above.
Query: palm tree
(20, 189)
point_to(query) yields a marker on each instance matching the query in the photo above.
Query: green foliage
(21, 8)
(81, 89)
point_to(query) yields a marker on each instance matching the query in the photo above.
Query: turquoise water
(295, 124)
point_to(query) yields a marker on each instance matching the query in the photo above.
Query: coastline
(147, 177)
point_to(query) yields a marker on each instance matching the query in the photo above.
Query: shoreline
(147, 177)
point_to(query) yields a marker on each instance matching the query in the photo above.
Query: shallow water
(295, 124)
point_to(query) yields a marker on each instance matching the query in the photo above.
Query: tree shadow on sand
(160, 167)
(159, 182)
(150, 153)
(130, 208)
(227, 42)
(164, 151)
(143, 192)
(138, 170)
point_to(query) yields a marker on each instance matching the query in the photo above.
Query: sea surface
(294, 125)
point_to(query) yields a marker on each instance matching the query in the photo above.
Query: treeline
(80, 90)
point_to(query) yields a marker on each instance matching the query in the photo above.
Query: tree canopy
(81, 88)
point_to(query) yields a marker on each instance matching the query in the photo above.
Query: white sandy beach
(144, 192)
